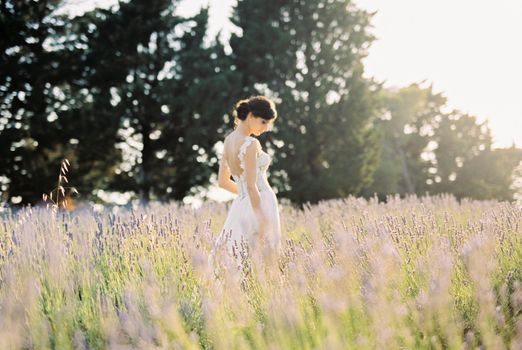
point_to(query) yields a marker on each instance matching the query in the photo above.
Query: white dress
(241, 224)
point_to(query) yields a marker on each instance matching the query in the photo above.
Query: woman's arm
(253, 191)
(251, 174)
(224, 177)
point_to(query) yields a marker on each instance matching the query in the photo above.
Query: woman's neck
(243, 129)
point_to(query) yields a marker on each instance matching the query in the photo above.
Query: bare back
(232, 143)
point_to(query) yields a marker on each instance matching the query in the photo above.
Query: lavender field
(415, 273)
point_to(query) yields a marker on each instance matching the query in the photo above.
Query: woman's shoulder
(232, 136)
(227, 136)
(246, 143)
(251, 143)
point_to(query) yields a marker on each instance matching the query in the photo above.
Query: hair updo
(260, 106)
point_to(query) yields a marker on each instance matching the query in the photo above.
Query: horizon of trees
(137, 98)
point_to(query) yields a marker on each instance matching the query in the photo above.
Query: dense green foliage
(427, 149)
(44, 116)
(308, 54)
(165, 89)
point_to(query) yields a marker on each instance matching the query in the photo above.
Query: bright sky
(468, 49)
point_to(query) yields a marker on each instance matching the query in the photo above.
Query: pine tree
(308, 55)
(40, 99)
(156, 76)
(131, 95)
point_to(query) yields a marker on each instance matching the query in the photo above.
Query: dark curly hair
(260, 106)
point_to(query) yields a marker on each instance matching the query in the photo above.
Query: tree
(166, 89)
(409, 116)
(459, 139)
(466, 164)
(308, 56)
(131, 95)
(41, 64)
(428, 148)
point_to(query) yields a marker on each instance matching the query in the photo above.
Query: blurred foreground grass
(428, 273)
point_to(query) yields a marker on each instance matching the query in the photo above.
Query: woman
(253, 218)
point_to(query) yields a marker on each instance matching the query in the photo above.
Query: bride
(253, 217)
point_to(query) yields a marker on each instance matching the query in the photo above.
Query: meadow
(411, 273)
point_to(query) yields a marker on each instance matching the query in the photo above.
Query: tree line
(137, 97)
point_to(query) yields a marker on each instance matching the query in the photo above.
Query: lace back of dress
(242, 151)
